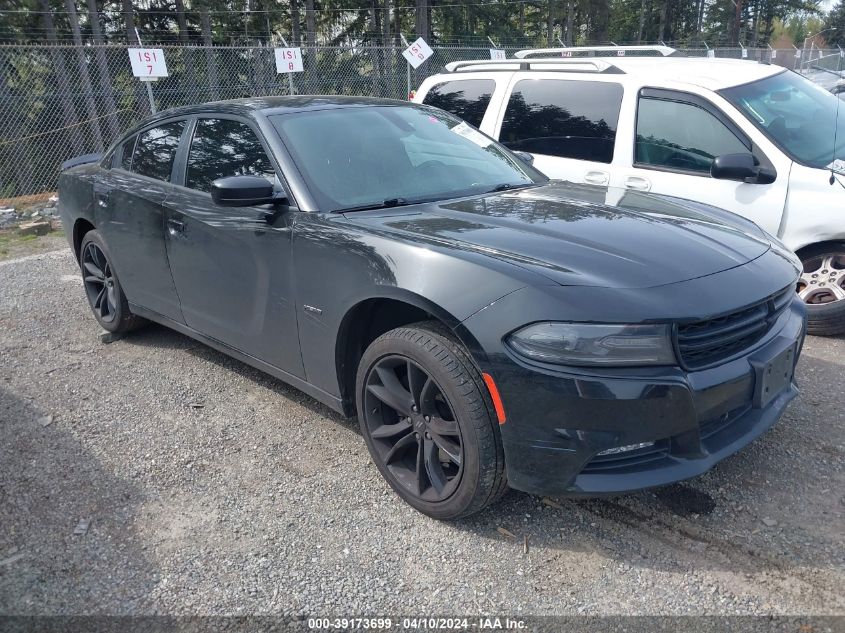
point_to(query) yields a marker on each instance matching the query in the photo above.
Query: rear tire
(428, 422)
(822, 287)
(102, 288)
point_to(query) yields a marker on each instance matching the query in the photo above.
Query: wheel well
(362, 325)
(819, 245)
(80, 228)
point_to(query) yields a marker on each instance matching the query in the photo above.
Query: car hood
(583, 235)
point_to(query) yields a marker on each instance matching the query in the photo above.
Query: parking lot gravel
(154, 475)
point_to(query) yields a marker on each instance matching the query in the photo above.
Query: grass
(13, 244)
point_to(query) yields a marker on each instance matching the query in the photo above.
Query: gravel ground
(211, 488)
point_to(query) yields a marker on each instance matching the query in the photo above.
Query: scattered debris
(525, 544)
(35, 227)
(81, 527)
(196, 405)
(505, 532)
(769, 522)
(46, 420)
(109, 337)
(552, 503)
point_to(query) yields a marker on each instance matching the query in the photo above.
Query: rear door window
(221, 148)
(569, 119)
(467, 98)
(156, 149)
(126, 154)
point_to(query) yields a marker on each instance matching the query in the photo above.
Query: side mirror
(742, 167)
(525, 157)
(243, 191)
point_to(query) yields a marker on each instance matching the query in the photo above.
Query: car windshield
(796, 114)
(363, 157)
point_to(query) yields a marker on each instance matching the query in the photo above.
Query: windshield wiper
(384, 204)
(506, 186)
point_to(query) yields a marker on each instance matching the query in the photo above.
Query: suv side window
(569, 119)
(467, 99)
(155, 150)
(680, 136)
(223, 147)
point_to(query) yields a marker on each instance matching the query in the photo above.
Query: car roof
(275, 105)
(706, 72)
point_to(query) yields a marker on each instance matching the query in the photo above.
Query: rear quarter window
(467, 98)
(569, 119)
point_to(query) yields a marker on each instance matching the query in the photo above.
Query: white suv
(749, 137)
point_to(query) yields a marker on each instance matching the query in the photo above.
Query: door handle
(175, 227)
(638, 183)
(597, 177)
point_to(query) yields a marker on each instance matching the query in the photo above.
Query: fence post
(147, 83)
(407, 68)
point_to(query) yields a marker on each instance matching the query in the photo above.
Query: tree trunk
(60, 70)
(296, 23)
(642, 22)
(550, 23)
(310, 24)
(182, 22)
(103, 67)
(84, 77)
(570, 14)
(129, 22)
(210, 61)
(664, 15)
(185, 40)
(422, 25)
(736, 23)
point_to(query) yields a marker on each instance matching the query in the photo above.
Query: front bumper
(677, 424)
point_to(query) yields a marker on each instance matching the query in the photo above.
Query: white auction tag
(745, 53)
(147, 62)
(288, 60)
(774, 53)
(417, 52)
(495, 53)
(463, 129)
(711, 54)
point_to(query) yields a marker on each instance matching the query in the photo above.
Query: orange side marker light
(497, 399)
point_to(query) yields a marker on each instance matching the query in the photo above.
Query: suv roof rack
(597, 51)
(568, 65)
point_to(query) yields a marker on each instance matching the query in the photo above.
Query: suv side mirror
(742, 167)
(243, 191)
(525, 157)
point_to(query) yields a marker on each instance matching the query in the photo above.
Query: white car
(749, 137)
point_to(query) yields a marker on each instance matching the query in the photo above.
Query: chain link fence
(57, 102)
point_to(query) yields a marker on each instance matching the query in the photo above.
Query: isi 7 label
(148, 62)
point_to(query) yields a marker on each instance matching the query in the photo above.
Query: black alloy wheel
(102, 287)
(429, 422)
(99, 282)
(413, 428)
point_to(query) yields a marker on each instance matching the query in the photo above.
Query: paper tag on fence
(148, 63)
(711, 54)
(495, 53)
(288, 60)
(774, 53)
(745, 53)
(417, 52)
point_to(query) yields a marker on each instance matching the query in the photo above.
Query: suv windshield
(796, 114)
(355, 158)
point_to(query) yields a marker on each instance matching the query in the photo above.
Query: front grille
(707, 342)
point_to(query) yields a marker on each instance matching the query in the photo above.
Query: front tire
(822, 287)
(427, 419)
(102, 288)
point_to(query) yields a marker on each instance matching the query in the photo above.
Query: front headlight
(594, 344)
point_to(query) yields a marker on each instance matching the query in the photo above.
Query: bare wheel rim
(413, 428)
(823, 279)
(99, 282)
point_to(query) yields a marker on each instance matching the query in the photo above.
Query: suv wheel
(427, 420)
(105, 296)
(822, 287)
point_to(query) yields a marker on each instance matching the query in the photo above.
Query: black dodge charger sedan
(489, 328)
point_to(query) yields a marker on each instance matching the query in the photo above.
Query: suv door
(569, 125)
(677, 135)
(133, 195)
(232, 265)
